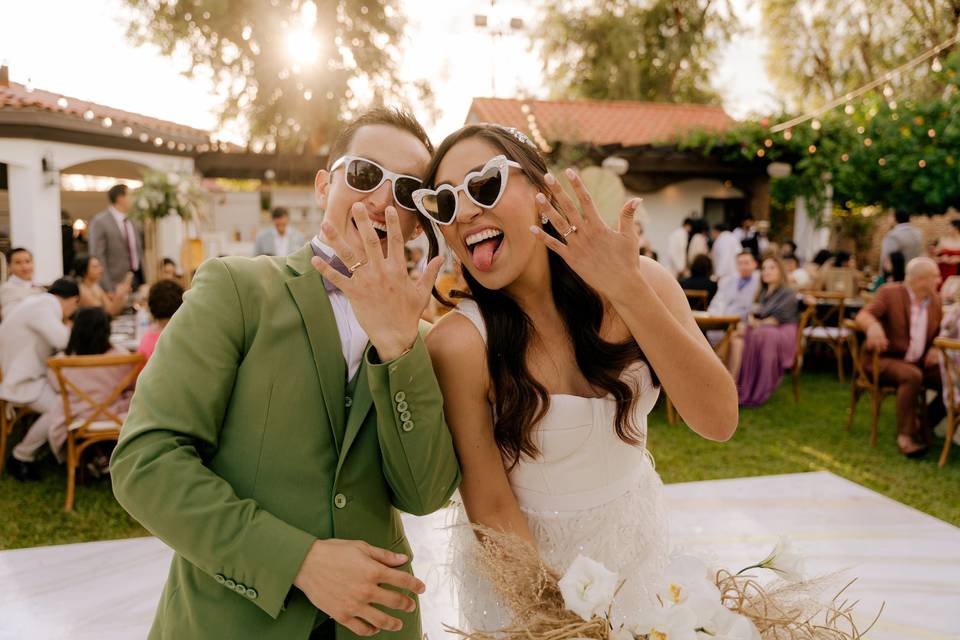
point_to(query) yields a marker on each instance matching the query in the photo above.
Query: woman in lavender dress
(769, 341)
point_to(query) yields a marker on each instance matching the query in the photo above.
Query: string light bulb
(936, 66)
(816, 125)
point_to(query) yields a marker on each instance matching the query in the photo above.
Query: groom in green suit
(285, 417)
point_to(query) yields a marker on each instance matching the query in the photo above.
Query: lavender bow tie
(334, 262)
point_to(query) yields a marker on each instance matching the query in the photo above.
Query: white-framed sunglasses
(365, 175)
(484, 188)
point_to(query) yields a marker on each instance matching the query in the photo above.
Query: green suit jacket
(241, 448)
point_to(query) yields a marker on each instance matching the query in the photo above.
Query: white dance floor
(108, 590)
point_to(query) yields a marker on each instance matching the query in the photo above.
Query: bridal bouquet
(692, 603)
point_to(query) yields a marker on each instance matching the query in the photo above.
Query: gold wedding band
(572, 229)
(359, 263)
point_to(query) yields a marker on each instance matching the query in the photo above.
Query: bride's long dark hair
(520, 401)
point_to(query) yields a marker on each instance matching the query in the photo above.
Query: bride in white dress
(551, 366)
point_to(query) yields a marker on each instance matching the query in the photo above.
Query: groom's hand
(387, 302)
(343, 579)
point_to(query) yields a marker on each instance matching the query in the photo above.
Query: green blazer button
(252, 594)
(230, 584)
(400, 397)
(408, 426)
(405, 416)
(219, 578)
(340, 501)
(348, 402)
(402, 406)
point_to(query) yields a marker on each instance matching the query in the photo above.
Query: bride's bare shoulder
(455, 336)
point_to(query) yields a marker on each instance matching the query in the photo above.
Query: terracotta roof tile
(600, 122)
(18, 97)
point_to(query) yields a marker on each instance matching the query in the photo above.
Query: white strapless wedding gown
(587, 493)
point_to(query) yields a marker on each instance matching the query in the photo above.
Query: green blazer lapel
(362, 402)
(306, 287)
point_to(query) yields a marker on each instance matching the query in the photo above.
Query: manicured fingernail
(542, 199)
(400, 557)
(534, 229)
(550, 179)
(571, 174)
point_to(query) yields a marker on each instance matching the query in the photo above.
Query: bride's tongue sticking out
(484, 249)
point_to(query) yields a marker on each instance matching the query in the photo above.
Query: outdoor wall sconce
(50, 173)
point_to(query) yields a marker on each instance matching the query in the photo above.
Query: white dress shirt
(281, 243)
(725, 250)
(127, 231)
(353, 338)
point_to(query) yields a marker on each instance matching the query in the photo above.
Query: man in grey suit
(116, 242)
(904, 237)
(735, 296)
(279, 240)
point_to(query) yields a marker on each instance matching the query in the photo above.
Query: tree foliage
(293, 70)
(822, 49)
(878, 153)
(656, 50)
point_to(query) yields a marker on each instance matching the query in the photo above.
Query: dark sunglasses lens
(363, 175)
(486, 187)
(445, 205)
(403, 190)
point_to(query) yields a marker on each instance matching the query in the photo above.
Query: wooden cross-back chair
(10, 415)
(950, 347)
(697, 298)
(825, 323)
(94, 421)
(797, 367)
(865, 381)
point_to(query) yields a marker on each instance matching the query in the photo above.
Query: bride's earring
(544, 219)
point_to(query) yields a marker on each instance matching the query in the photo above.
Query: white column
(170, 235)
(35, 218)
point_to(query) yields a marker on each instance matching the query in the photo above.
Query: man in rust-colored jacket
(902, 322)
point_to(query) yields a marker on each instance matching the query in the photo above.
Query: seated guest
(841, 276)
(19, 284)
(164, 299)
(33, 332)
(767, 346)
(901, 323)
(735, 296)
(89, 271)
(701, 277)
(950, 328)
(788, 248)
(168, 270)
(90, 336)
(798, 278)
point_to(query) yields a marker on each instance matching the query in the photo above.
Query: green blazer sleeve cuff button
(408, 426)
(400, 397)
(405, 416)
(252, 594)
(230, 584)
(219, 578)
(402, 406)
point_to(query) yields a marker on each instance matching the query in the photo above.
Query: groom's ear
(321, 186)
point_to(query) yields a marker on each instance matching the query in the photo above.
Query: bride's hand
(608, 260)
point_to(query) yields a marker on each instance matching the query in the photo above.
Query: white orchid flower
(677, 622)
(684, 577)
(728, 625)
(783, 561)
(588, 587)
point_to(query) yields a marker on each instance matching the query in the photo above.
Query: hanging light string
(833, 104)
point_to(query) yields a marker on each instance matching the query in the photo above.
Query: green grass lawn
(780, 437)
